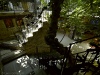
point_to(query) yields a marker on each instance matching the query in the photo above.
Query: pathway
(79, 47)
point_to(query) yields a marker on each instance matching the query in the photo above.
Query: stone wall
(37, 42)
(7, 33)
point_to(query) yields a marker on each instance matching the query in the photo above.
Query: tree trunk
(51, 34)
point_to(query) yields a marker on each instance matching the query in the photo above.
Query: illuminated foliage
(80, 14)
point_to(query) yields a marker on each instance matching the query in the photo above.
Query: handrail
(88, 50)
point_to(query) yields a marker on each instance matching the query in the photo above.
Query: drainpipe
(35, 8)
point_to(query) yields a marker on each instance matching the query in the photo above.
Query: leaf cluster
(80, 13)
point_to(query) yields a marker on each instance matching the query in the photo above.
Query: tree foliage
(80, 14)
